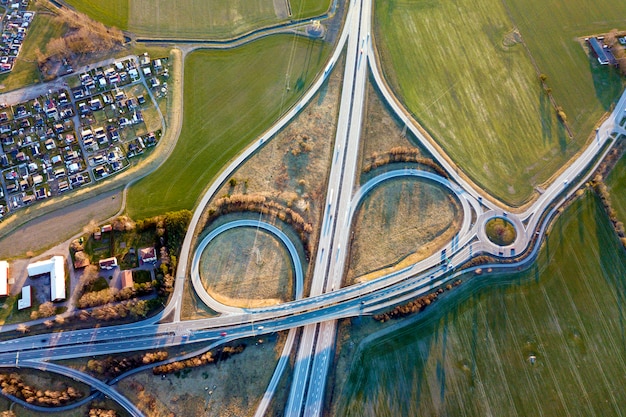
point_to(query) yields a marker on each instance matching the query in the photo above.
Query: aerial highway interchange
(317, 312)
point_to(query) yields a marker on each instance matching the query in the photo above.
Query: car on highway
(223, 334)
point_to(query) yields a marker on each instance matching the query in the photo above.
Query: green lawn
(109, 12)
(469, 355)
(25, 71)
(461, 72)
(301, 9)
(616, 182)
(230, 98)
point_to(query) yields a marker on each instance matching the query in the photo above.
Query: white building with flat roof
(54, 266)
(25, 301)
(4, 278)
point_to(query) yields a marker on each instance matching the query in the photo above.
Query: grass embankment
(247, 267)
(472, 355)
(230, 98)
(110, 12)
(399, 223)
(616, 182)
(461, 71)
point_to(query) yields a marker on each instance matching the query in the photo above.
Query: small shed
(25, 301)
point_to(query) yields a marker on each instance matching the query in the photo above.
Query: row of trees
(402, 154)
(260, 204)
(133, 308)
(12, 384)
(413, 306)
(204, 359)
(110, 295)
(112, 367)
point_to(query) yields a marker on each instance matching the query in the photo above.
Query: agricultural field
(547, 341)
(247, 267)
(109, 12)
(201, 19)
(301, 9)
(252, 80)
(478, 93)
(616, 183)
(197, 19)
(399, 223)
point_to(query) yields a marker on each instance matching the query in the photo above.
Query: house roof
(148, 254)
(4, 278)
(127, 278)
(598, 50)
(108, 263)
(25, 301)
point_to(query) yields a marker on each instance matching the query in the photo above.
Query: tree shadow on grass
(546, 116)
(562, 136)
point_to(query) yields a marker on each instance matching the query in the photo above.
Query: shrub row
(12, 385)
(402, 154)
(413, 306)
(260, 204)
(204, 359)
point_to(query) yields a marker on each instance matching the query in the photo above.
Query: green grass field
(460, 70)
(301, 9)
(109, 12)
(469, 355)
(230, 98)
(193, 19)
(616, 182)
(25, 71)
(199, 18)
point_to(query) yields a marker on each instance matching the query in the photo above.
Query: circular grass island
(500, 231)
(247, 267)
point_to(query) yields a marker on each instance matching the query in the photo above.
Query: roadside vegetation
(59, 393)
(212, 133)
(500, 231)
(545, 341)
(479, 94)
